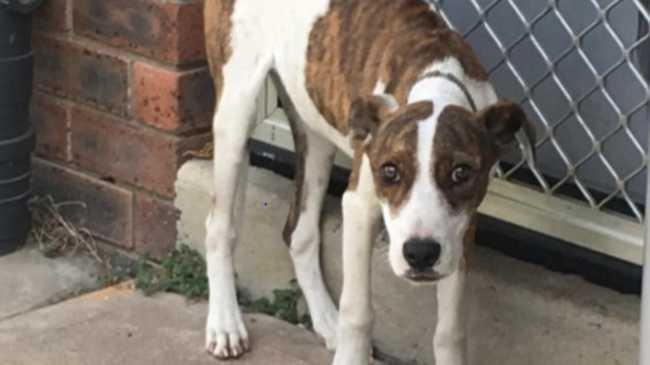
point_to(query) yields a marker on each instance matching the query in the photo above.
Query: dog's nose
(421, 254)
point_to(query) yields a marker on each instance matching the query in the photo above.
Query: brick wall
(121, 92)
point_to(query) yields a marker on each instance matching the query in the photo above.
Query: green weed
(284, 305)
(183, 271)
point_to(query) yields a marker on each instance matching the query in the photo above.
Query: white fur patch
(380, 88)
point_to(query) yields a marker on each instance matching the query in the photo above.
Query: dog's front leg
(450, 341)
(360, 214)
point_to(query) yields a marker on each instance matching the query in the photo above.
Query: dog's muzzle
(422, 255)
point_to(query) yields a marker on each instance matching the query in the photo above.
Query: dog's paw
(351, 357)
(326, 324)
(226, 336)
(350, 351)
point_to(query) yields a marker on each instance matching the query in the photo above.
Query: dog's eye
(461, 174)
(390, 174)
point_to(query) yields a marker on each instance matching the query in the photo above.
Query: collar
(454, 80)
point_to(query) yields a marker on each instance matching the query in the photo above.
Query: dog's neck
(445, 83)
(454, 80)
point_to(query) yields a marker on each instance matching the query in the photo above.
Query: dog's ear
(368, 113)
(503, 121)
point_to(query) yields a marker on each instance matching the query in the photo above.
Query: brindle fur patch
(461, 139)
(502, 120)
(367, 117)
(396, 143)
(218, 27)
(360, 42)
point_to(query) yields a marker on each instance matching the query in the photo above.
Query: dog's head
(431, 170)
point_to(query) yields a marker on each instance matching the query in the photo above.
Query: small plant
(182, 272)
(283, 306)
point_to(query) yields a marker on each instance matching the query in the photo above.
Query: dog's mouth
(428, 276)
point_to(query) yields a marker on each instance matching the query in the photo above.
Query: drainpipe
(17, 137)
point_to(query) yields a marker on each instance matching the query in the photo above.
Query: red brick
(155, 226)
(110, 147)
(54, 15)
(70, 69)
(50, 118)
(104, 209)
(166, 31)
(175, 101)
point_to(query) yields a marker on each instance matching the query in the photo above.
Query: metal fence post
(644, 60)
(645, 291)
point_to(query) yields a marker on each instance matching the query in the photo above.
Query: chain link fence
(579, 68)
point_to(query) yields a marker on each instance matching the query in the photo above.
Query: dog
(392, 86)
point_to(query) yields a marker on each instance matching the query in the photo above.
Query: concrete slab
(120, 326)
(521, 313)
(29, 280)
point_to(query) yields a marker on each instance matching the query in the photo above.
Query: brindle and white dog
(388, 83)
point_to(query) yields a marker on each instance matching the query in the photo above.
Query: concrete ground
(120, 326)
(520, 313)
(29, 280)
(45, 318)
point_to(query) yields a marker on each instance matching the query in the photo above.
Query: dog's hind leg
(314, 159)
(240, 80)
(315, 156)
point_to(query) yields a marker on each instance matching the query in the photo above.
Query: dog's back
(328, 53)
(359, 46)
